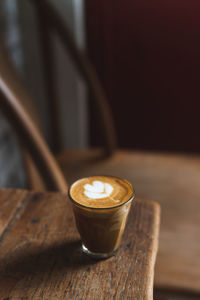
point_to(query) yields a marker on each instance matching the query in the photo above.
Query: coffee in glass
(101, 205)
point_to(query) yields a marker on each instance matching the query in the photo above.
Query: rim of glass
(99, 208)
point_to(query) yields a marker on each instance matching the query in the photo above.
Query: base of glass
(98, 255)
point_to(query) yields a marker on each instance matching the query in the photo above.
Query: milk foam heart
(97, 190)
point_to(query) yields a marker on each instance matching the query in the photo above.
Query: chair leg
(34, 179)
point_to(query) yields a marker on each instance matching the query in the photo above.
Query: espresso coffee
(101, 205)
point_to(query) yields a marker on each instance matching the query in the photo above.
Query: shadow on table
(44, 260)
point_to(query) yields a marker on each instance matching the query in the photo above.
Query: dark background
(147, 55)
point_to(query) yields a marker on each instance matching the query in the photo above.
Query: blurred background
(20, 30)
(147, 57)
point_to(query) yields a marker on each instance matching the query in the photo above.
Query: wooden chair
(172, 180)
(13, 100)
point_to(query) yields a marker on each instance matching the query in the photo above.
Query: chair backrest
(51, 22)
(12, 95)
(17, 105)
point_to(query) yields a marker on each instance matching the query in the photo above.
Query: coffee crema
(101, 191)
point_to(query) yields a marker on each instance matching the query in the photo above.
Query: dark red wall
(147, 54)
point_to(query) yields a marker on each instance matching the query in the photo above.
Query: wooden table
(40, 256)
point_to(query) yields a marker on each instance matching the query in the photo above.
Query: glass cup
(101, 229)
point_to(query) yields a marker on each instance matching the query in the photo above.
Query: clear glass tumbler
(101, 229)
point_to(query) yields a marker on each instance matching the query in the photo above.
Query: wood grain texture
(10, 203)
(40, 255)
(172, 180)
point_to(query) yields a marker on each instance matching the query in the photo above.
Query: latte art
(101, 206)
(98, 190)
(101, 191)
